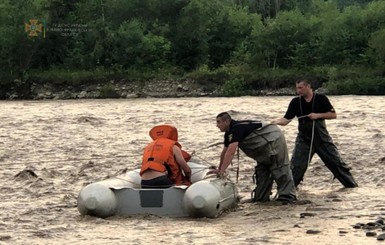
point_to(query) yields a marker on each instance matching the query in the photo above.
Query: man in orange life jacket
(163, 160)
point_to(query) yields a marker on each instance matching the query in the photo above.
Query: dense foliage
(254, 43)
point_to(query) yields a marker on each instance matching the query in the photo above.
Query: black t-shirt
(240, 130)
(299, 107)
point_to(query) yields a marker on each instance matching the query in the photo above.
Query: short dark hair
(303, 80)
(224, 116)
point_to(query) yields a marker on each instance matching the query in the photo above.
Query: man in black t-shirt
(267, 145)
(312, 109)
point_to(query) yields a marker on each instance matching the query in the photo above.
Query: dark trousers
(324, 147)
(156, 183)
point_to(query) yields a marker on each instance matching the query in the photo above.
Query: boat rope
(311, 144)
(313, 122)
(237, 174)
(212, 145)
(203, 160)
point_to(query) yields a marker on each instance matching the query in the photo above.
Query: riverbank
(133, 89)
(226, 81)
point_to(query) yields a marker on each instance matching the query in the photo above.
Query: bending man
(312, 109)
(264, 143)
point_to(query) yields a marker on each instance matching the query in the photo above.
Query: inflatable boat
(208, 196)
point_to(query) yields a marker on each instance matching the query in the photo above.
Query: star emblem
(33, 28)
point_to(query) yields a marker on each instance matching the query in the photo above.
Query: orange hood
(169, 132)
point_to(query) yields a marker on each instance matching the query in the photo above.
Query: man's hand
(213, 170)
(221, 175)
(280, 121)
(325, 115)
(313, 116)
(187, 174)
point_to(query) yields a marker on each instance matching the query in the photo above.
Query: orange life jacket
(164, 131)
(159, 154)
(169, 132)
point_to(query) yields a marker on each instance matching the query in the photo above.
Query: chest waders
(312, 138)
(267, 146)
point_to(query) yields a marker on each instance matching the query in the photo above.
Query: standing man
(312, 109)
(264, 143)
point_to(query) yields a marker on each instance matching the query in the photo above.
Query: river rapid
(49, 150)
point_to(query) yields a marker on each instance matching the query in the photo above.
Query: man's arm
(227, 156)
(327, 107)
(181, 161)
(289, 115)
(281, 121)
(222, 157)
(325, 115)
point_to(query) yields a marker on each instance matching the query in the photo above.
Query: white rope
(311, 144)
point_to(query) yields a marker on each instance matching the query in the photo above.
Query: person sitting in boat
(267, 145)
(163, 160)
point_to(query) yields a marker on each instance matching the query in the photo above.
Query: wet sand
(64, 145)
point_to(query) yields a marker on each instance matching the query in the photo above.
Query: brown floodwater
(64, 145)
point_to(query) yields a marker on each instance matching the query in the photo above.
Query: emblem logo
(34, 28)
(230, 137)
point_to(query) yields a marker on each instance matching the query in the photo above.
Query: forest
(238, 45)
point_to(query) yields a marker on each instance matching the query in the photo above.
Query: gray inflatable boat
(208, 196)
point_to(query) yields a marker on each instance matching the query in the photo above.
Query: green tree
(277, 41)
(21, 38)
(344, 35)
(377, 47)
(138, 49)
(231, 27)
(190, 34)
